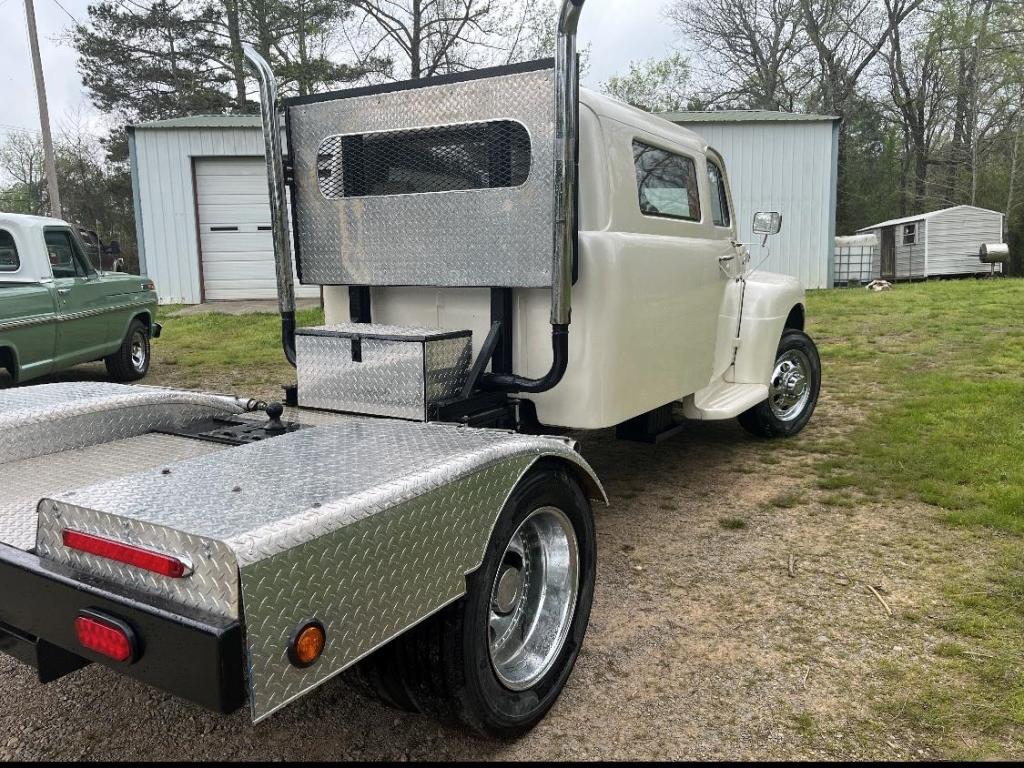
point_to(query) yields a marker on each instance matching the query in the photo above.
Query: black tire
(762, 420)
(126, 365)
(443, 667)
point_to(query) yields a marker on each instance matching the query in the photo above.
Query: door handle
(63, 291)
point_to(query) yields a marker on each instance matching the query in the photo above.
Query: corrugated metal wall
(167, 200)
(955, 236)
(786, 166)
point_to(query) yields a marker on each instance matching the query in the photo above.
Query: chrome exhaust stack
(566, 172)
(278, 201)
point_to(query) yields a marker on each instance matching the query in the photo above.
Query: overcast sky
(619, 31)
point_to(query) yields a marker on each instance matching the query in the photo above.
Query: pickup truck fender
(771, 303)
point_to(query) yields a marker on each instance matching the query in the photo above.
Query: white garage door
(234, 230)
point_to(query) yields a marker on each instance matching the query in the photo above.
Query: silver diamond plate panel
(396, 378)
(447, 366)
(35, 421)
(212, 586)
(29, 480)
(485, 237)
(365, 521)
(368, 581)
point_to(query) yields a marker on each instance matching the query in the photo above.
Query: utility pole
(44, 112)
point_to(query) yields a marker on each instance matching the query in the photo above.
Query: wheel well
(8, 362)
(145, 319)
(796, 318)
(591, 484)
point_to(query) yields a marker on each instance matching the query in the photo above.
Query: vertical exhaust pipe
(278, 205)
(567, 124)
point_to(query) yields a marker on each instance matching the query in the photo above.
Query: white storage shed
(780, 161)
(942, 243)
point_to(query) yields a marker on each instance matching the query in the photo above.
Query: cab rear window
(9, 261)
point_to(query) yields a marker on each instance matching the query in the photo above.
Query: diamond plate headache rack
(442, 182)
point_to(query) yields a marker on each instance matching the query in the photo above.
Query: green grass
(228, 352)
(933, 377)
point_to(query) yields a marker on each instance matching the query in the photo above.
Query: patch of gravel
(702, 645)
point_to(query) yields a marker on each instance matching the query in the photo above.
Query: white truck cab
(663, 308)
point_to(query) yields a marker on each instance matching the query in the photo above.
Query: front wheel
(498, 659)
(792, 392)
(131, 361)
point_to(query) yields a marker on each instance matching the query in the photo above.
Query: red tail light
(105, 636)
(165, 565)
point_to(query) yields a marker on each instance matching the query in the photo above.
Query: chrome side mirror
(767, 223)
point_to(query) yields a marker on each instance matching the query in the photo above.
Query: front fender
(768, 302)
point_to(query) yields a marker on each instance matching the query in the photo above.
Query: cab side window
(65, 258)
(719, 196)
(667, 183)
(9, 261)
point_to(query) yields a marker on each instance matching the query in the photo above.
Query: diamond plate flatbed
(369, 525)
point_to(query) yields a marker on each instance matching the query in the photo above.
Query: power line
(73, 18)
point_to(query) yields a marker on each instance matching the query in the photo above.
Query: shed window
(667, 183)
(9, 261)
(446, 158)
(719, 196)
(910, 234)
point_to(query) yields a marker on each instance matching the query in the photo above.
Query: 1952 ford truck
(500, 252)
(58, 310)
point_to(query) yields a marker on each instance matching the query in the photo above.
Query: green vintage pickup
(57, 310)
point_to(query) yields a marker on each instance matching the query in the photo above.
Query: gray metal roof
(204, 121)
(744, 116)
(921, 217)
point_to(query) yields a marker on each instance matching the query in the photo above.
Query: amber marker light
(307, 644)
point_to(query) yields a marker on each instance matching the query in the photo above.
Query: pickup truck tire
(131, 361)
(452, 668)
(793, 390)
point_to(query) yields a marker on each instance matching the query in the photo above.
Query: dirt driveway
(734, 618)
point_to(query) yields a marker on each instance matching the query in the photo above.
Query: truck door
(683, 282)
(82, 334)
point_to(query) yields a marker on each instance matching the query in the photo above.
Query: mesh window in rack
(485, 155)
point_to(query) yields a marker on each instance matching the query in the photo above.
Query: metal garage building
(203, 216)
(778, 161)
(202, 212)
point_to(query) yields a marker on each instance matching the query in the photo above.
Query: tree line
(929, 92)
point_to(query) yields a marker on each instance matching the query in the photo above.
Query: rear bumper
(193, 655)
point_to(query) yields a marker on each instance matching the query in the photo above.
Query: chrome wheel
(790, 389)
(533, 598)
(139, 353)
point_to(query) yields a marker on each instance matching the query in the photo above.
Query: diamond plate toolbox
(380, 370)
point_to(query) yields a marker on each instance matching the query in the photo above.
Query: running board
(724, 400)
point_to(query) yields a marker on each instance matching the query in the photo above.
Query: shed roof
(203, 121)
(745, 116)
(922, 217)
